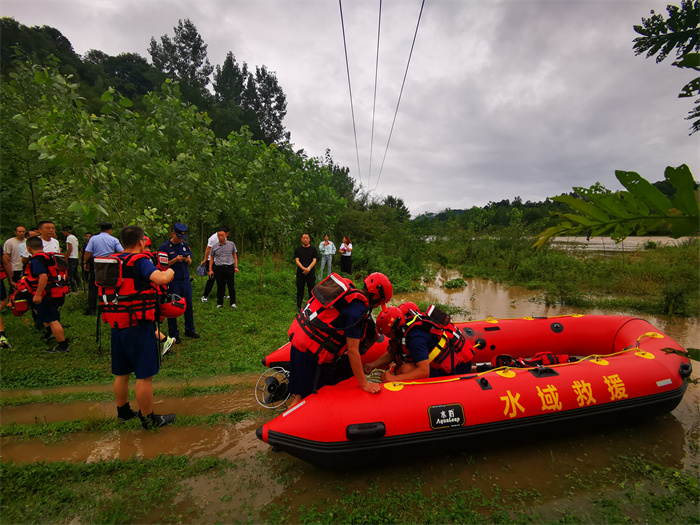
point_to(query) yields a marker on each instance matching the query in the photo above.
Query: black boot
(125, 413)
(154, 420)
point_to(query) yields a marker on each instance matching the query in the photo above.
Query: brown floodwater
(554, 465)
(482, 298)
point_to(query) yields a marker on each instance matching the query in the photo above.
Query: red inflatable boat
(625, 370)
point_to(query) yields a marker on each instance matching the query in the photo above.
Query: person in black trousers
(223, 265)
(306, 257)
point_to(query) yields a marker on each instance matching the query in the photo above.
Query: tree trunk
(262, 261)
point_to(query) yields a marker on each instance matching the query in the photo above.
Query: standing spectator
(134, 348)
(180, 257)
(83, 262)
(47, 232)
(211, 242)
(305, 256)
(41, 281)
(346, 255)
(327, 250)
(99, 245)
(5, 268)
(73, 258)
(13, 251)
(223, 265)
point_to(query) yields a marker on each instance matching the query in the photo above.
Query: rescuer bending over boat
(337, 321)
(422, 345)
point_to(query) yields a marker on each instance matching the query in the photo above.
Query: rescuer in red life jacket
(420, 345)
(44, 280)
(134, 346)
(335, 321)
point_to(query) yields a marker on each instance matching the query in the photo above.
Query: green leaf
(583, 207)
(682, 181)
(125, 102)
(76, 207)
(644, 190)
(102, 209)
(691, 60)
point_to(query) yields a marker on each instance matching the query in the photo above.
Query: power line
(400, 93)
(374, 103)
(352, 110)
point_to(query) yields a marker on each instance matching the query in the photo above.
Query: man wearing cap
(100, 245)
(180, 257)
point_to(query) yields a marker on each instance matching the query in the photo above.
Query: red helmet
(405, 307)
(146, 241)
(389, 320)
(174, 306)
(379, 287)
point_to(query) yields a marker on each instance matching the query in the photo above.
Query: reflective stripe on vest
(125, 306)
(451, 343)
(56, 272)
(313, 330)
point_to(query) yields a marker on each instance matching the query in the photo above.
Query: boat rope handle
(595, 357)
(526, 318)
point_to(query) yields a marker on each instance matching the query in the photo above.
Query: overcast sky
(502, 98)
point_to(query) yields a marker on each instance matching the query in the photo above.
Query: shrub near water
(660, 281)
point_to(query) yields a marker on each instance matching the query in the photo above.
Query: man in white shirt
(211, 242)
(72, 253)
(12, 249)
(47, 232)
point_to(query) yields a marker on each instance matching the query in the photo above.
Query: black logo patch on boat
(446, 416)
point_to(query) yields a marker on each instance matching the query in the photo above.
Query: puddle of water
(240, 379)
(235, 401)
(482, 298)
(224, 441)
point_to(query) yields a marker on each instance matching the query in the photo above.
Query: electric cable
(374, 102)
(352, 110)
(400, 93)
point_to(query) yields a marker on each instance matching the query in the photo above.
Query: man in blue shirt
(99, 245)
(180, 257)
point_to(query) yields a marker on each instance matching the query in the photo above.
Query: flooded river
(553, 465)
(482, 298)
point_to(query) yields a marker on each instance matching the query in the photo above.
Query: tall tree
(229, 84)
(270, 106)
(184, 58)
(681, 31)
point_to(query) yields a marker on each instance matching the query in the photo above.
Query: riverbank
(661, 280)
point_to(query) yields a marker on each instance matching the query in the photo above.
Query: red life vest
(56, 271)
(121, 303)
(319, 327)
(451, 349)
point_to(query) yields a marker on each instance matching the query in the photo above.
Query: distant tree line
(239, 95)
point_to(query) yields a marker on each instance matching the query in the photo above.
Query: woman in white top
(346, 255)
(326, 249)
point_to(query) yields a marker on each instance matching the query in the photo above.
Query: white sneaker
(219, 305)
(233, 305)
(227, 296)
(167, 344)
(204, 299)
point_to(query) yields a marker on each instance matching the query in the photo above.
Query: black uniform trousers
(225, 275)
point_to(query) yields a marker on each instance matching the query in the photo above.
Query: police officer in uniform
(180, 258)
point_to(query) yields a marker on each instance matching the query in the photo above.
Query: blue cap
(180, 230)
